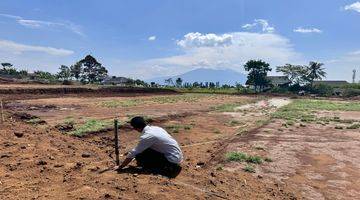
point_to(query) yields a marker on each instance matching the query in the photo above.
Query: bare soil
(39, 162)
(308, 162)
(319, 161)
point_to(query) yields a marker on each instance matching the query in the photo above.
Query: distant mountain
(226, 76)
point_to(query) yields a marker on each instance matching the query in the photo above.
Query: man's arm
(125, 163)
(145, 142)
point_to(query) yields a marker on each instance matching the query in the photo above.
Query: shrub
(351, 92)
(322, 90)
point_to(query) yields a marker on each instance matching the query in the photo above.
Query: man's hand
(123, 164)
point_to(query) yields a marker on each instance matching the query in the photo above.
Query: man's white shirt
(159, 140)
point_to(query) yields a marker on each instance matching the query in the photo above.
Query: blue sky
(145, 39)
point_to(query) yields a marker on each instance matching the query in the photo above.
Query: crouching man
(156, 151)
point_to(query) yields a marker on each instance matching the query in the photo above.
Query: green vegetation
(175, 128)
(35, 120)
(303, 110)
(242, 157)
(258, 70)
(187, 98)
(120, 103)
(241, 131)
(268, 160)
(91, 126)
(249, 168)
(235, 123)
(354, 126)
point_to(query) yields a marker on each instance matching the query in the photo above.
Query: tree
(6, 65)
(315, 71)
(238, 87)
(169, 82)
(178, 82)
(296, 73)
(93, 71)
(8, 69)
(64, 73)
(257, 73)
(76, 70)
(212, 85)
(42, 75)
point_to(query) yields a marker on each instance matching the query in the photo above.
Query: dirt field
(39, 161)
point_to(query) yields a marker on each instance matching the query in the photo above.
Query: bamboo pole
(116, 128)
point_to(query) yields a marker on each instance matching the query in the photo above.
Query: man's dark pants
(157, 163)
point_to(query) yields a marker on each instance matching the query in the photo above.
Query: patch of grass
(249, 168)
(236, 156)
(175, 128)
(120, 103)
(234, 123)
(187, 98)
(241, 131)
(91, 126)
(262, 122)
(229, 107)
(304, 110)
(35, 120)
(69, 120)
(268, 160)
(354, 126)
(254, 159)
(242, 157)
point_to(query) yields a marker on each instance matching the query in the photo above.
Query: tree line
(86, 70)
(297, 74)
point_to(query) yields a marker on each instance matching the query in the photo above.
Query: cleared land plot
(77, 168)
(313, 147)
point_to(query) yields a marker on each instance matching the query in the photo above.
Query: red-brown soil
(316, 160)
(39, 162)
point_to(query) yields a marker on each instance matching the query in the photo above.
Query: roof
(279, 80)
(331, 82)
(114, 79)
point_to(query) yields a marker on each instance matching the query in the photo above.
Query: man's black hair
(138, 122)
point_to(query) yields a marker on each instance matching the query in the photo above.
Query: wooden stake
(116, 128)
(2, 111)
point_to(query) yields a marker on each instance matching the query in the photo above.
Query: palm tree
(315, 71)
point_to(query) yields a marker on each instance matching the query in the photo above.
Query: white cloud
(355, 6)
(307, 30)
(219, 51)
(205, 40)
(16, 48)
(340, 68)
(260, 22)
(152, 38)
(355, 53)
(29, 23)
